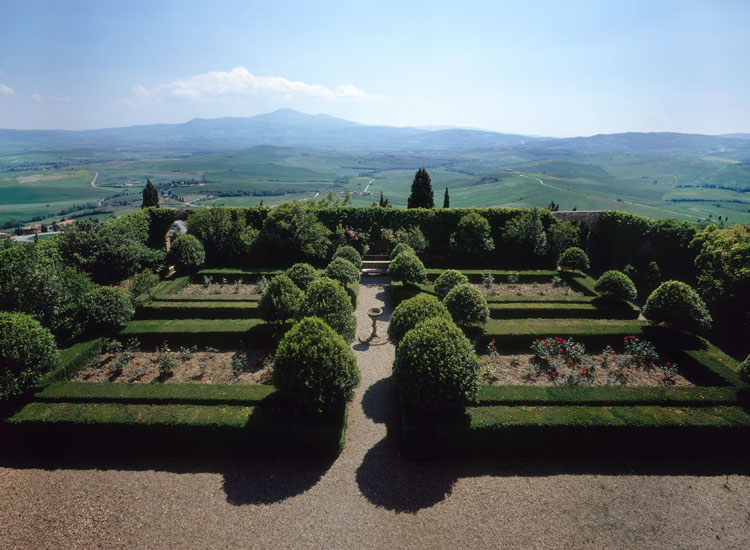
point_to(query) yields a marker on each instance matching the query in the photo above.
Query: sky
(550, 68)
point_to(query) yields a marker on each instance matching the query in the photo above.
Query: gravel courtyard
(371, 497)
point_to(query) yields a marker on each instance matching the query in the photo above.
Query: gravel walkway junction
(371, 497)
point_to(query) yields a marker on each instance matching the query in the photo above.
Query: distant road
(30, 238)
(368, 185)
(93, 181)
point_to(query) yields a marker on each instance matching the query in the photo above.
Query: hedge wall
(501, 430)
(110, 427)
(218, 333)
(197, 310)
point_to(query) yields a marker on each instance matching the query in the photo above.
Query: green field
(687, 187)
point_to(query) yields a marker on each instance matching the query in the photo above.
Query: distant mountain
(736, 136)
(290, 128)
(668, 143)
(285, 127)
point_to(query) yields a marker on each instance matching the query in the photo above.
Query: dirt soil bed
(526, 289)
(589, 370)
(217, 288)
(201, 367)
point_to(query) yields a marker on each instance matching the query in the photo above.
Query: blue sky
(557, 68)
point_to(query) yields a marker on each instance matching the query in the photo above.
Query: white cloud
(36, 97)
(240, 81)
(5, 90)
(59, 98)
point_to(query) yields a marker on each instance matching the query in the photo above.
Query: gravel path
(371, 497)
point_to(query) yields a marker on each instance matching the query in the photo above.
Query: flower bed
(250, 365)
(556, 361)
(220, 289)
(526, 289)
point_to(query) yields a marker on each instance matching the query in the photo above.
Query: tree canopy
(421, 191)
(150, 195)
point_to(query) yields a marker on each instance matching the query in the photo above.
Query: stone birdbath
(374, 314)
(374, 339)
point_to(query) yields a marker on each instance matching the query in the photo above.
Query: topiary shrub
(141, 283)
(348, 253)
(472, 236)
(413, 237)
(679, 306)
(615, 285)
(327, 299)
(467, 306)
(447, 280)
(401, 247)
(27, 351)
(187, 253)
(107, 308)
(411, 312)
(574, 258)
(408, 268)
(302, 275)
(280, 301)
(315, 365)
(436, 368)
(342, 270)
(743, 370)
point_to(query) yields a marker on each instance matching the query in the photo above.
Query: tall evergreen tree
(421, 191)
(150, 195)
(446, 199)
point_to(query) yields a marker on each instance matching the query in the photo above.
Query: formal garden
(514, 332)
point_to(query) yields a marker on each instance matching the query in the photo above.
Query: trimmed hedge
(562, 310)
(73, 360)
(589, 430)
(218, 333)
(523, 396)
(197, 310)
(196, 394)
(183, 428)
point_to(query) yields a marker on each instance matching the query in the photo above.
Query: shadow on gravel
(246, 480)
(393, 481)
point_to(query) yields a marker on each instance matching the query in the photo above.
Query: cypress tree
(446, 199)
(421, 191)
(150, 195)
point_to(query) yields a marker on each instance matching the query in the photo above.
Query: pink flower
(579, 374)
(613, 352)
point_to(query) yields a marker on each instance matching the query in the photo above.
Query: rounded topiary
(280, 301)
(187, 253)
(327, 299)
(316, 365)
(342, 270)
(408, 268)
(615, 285)
(678, 305)
(436, 368)
(106, 308)
(401, 247)
(447, 280)
(466, 305)
(574, 258)
(411, 312)
(302, 275)
(743, 370)
(27, 351)
(348, 253)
